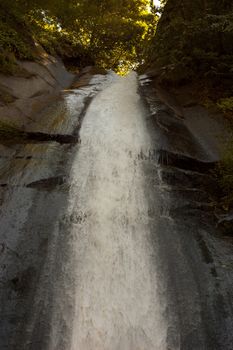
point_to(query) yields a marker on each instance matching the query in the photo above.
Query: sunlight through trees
(112, 34)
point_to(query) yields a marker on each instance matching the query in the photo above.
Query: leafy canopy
(109, 33)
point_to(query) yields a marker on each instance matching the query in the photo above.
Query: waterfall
(117, 304)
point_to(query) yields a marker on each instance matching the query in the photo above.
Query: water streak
(117, 303)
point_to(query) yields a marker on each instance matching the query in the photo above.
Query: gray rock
(41, 83)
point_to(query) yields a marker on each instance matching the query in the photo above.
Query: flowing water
(102, 247)
(117, 305)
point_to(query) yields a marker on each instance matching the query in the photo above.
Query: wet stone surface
(34, 191)
(192, 252)
(111, 243)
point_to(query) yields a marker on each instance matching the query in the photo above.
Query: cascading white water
(117, 303)
(101, 248)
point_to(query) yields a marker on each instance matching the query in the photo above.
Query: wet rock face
(120, 224)
(194, 258)
(36, 249)
(187, 149)
(181, 161)
(22, 282)
(225, 224)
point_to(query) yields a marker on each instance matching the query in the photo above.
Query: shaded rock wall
(190, 130)
(195, 258)
(22, 97)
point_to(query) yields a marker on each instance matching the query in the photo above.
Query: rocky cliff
(25, 94)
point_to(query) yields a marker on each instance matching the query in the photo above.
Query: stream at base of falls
(104, 244)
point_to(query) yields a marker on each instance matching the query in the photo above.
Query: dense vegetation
(194, 40)
(109, 33)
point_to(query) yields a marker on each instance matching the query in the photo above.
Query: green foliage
(8, 63)
(15, 38)
(195, 38)
(225, 104)
(12, 41)
(108, 33)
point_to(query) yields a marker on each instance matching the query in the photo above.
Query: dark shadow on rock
(36, 137)
(184, 162)
(225, 224)
(175, 176)
(48, 184)
(42, 137)
(21, 282)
